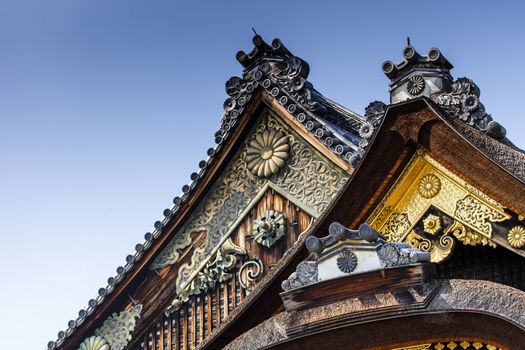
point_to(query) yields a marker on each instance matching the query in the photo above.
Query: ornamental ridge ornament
(463, 103)
(347, 261)
(415, 85)
(269, 228)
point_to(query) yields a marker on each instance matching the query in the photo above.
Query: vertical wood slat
(201, 319)
(169, 334)
(217, 308)
(225, 299)
(210, 315)
(154, 337)
(233, 285)
(161, 338)
(193, 321)
(185, 327)
(146, 345)
(177, 330)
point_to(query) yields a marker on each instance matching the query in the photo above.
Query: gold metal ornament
(423, 184)
(429, 186)
(432, 224)
(267, 152)
(468, 236)
(516, 237)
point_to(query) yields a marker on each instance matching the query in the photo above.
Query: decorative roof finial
(418, 75)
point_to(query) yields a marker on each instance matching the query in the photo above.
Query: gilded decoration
(307, 178)
(426, 192)
(429, 186)
(267, 152)
(115, 332)
(468, 236)
(432, 224)
(451, 345)
(516, 237)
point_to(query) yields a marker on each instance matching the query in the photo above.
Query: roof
(275, 71)
(278, 73)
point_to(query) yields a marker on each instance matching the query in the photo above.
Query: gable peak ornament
(267, 152)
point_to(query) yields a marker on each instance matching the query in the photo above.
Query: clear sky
(106, 107)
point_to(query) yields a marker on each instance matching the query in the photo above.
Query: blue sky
(107, 106)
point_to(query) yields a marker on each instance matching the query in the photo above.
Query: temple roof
(274, 70)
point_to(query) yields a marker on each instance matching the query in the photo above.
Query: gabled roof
(275, 71)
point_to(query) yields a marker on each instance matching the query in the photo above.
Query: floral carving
(429, 186)
(308, 177)
(415, 85)
(463, 103)
(267, 152)
(346, 261)
(431, 224)
(516, 237)
(117, 328)
(269, 228)
(217, 270)
(94, 343)
(397, 225)
(366, 130)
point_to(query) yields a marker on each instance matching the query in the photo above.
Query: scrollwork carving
(118, 328)
(307, 176)
(397, 226)
(216, 270)
(250, 272)
(477, 214)
(468, 236)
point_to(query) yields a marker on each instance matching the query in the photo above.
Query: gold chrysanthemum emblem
(267, 152)
(431, 224)
(429, 186)
(516, 237)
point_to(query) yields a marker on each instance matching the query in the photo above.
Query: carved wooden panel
(188, 325)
